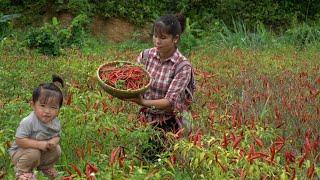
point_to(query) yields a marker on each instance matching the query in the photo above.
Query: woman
(163, 104)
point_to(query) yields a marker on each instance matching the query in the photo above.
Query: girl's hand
(51, 145)
(43, 145)
(53, 142)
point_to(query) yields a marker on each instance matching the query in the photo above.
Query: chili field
(256, 116)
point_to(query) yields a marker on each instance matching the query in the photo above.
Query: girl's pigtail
(57, 80)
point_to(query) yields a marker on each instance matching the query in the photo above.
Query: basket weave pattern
(120, 93)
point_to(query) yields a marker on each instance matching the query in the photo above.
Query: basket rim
(122, 90)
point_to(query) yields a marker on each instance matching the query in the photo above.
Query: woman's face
(165, 43)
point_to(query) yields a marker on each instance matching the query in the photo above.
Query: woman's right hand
(138, 100)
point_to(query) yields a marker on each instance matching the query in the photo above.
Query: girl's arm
(32, 143)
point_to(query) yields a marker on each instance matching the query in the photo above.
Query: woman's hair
(170, 24)
(49, 90)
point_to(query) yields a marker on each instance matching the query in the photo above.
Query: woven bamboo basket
(120, 93)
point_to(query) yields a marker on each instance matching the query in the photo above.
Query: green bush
(5, 24)
(79, 6)
(51, 38)
(77, 30)
(302, 35)
(239, 36)
(275, 14)
(136, 12)
(45, 40)
(188, 40)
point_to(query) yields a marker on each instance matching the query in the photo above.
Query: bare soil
(111, 29)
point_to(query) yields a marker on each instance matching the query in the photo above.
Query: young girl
(38, 135)
(166, 97)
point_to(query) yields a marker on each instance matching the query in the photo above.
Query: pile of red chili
(126, 77)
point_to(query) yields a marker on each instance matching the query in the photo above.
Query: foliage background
(276, 14)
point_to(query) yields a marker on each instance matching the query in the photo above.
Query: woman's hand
(139, 100)
(162, 104)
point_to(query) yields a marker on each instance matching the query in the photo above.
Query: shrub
(239, 36)
(275, 14)
(51, 38)
(303, 35)
(77, 30)
(45, 40)
(188, 38)
(5, 24)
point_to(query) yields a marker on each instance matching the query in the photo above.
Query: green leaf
(201, 156)
(318, 171)
(196, 162)
(283, 176)
(2, 150)
(55, 21)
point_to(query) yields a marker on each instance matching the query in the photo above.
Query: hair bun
(182, 20)
(57, 79)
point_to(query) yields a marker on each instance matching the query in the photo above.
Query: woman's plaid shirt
(165, 84)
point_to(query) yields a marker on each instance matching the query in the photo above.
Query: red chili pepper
(197, 138)
(173, 159)
(277, 113)
(307, 145)
(253, 157)
(310, 171)
(236, 141)
(133, 76)
(225, 141)
(258, 141)
(251, 150)
(302, 160)
(67, 177)
(289, 157)
(179, 134)
(242, 174)
(293, 176)
(113, 156)
(262, 154)
(75, 168)
(273, 152)
(69, 172)
(316, 144)
(90, 168)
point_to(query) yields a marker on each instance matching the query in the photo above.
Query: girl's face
(46, 110)
(165, 43)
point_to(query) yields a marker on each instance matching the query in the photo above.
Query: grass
(242, 93)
